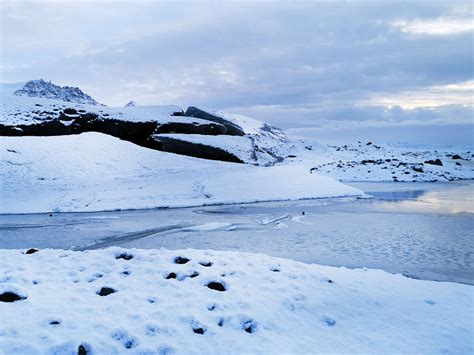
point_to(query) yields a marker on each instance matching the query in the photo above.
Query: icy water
(418, 229)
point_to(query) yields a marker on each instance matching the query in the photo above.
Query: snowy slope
(93, 172)
(258, 304)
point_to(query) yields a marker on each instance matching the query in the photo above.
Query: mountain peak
(48, 90)
(131, 104)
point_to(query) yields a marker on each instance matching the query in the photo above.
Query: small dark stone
(55, 322)
(369, 143)
(70, 111)
(418, 169)
(329, 321)
(124, 256)
(217, 286)
(205, 263)
(303, 213)
(199, 330)
(291, 156)
(194, 274)
(249, 326)
(171, 275)
(105, 291)
(180, 260)
(81, 350)
(275, 269)
(10, 297)
(126, 272)
(456, 157)
(31, 251)
(434, 162)
(51, 215)
(458, 163)
(221, 322)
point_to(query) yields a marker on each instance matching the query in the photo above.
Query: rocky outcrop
(48, 90)
(194, 132)
(232, 129)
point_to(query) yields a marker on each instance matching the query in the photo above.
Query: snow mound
(48, 90)
(95, 172)
(191, 301)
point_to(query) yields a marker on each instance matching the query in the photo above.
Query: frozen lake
(419, 229)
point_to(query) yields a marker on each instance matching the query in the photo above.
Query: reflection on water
(453, 200)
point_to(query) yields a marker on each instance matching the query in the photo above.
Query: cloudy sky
(379, 70)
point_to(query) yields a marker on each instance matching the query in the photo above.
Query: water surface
(419, 229)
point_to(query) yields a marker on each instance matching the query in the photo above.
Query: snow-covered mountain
(131, 104)
(48, 90)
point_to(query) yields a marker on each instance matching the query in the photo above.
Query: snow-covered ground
(372, 162)
(191, 301)
(94, 172)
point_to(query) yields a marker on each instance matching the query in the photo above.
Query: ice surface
(384, 232)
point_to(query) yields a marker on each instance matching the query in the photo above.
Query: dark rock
(232, 129)
(199, 330)
(180, 260)
(211, 129)
(194, 274)
(31, 251)
(10, 297)
(81, 350)
(55, 322)
(217, 286)
(124, 256)
(205, 263)
(458, 163)
(369, 143)
(456, 157)
(178, 146)
(418, 169)
(70, 111)
(291, 156)
(171, 275)
(434, 162)
(249, 326)
(105, 291)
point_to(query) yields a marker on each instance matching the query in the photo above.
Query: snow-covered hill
(94, 172)
(188, 301)
(44, 109)
(48, 90)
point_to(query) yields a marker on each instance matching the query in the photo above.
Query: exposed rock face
(232, 129)
(196, 150)
(47, 90)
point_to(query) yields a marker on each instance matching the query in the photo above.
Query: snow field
(191, 301)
